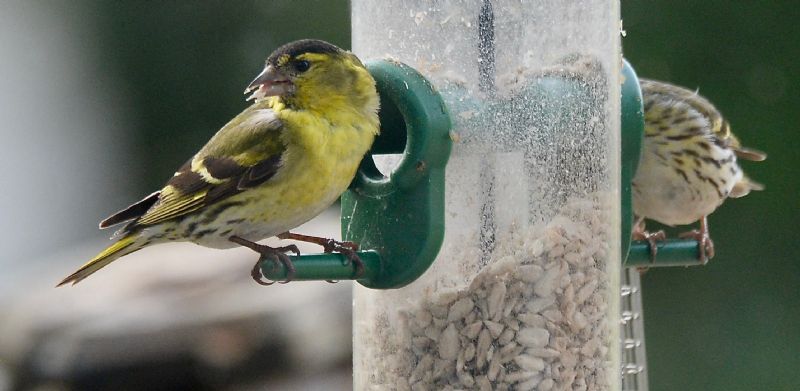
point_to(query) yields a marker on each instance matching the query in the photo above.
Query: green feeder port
(631, 134)
(402, 216)
(398, 221)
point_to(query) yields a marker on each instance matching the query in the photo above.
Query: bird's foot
(275, 254)
(704, 243)
(652, 238)
(348, 249)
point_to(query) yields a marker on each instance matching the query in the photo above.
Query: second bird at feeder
(688, 166)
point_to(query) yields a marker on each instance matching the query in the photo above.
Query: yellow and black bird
(279, 163)
(688, 165)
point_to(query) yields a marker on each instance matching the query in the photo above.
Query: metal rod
(670, 252)
(323, 267)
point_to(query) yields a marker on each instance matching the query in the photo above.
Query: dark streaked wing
(248, 177)
(189, 191)
(260, 172)
(131, 212)
(187, 182)
(222, 167)
(218, 170)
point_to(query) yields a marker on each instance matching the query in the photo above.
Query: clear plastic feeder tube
(525, 293)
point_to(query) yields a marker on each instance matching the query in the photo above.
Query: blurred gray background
(100, 102)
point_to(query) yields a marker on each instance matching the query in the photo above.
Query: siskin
(279, 163)
(688, 165)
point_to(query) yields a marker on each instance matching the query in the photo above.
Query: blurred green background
(731, 325)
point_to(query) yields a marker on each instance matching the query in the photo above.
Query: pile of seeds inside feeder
(534, 318)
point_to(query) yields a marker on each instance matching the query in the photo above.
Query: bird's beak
(270, 82)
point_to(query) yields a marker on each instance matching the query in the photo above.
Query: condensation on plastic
(525, 291)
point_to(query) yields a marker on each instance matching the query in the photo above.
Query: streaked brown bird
(689, 164)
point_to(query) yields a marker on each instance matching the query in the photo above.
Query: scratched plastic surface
(525, 291)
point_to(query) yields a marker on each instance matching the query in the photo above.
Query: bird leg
(703, 240)
(348, 249)
(275, 254)
(640, 233)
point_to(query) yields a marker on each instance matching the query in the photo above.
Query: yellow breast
(321, 158)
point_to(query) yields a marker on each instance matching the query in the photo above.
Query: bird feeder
(525, 290)
(494, 210)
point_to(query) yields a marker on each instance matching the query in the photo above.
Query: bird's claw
(257, 276)
(348, 249)
(278, 257)
(353, 258)
(332, 245)
(704, 243)
(275, 254)
(652, 238)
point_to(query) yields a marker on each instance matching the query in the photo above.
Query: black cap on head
(296, 48)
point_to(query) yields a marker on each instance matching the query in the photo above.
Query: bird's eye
(302, 65)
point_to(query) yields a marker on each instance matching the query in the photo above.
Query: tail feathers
(124, 246)
(744, 187)
(750, 154)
